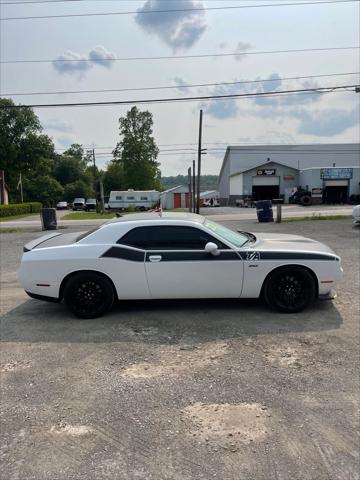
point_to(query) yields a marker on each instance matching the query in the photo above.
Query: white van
(139, 199)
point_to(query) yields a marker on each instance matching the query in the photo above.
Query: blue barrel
(264, 211)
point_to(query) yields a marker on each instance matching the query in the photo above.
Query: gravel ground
(182, 390)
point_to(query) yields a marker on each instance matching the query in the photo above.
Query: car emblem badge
(253, 256)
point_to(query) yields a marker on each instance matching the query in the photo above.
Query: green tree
(137, 151)
(22, 146)
(43, 187)
(113, 177)
(68, 169)
(79, 188)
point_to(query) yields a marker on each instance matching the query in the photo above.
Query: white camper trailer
(139, 199)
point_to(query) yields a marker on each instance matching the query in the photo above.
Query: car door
(177, 265)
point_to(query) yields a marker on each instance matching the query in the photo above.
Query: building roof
(261, 165)
(172, 189)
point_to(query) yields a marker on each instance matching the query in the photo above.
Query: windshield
(237, 239)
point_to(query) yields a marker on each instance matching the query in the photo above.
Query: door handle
(155, 258)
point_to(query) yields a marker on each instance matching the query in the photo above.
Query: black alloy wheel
(289, 289)
(88, 294)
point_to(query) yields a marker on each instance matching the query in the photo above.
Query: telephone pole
(194, 188)
(199, 164)
(190, 190)
(201, 151)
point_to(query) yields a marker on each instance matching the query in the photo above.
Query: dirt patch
(72, 430)
(229, 425)
(283, 357)
(178, 361)
(14, 366)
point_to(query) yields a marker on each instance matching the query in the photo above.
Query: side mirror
(212, 248)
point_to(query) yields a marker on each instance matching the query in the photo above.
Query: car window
(168, 238)
(237, 239)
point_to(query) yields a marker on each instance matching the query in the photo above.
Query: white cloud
(73, 63)
(242, 47)
(178, 29)
(102, 57)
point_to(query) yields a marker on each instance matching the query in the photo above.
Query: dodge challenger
(175, 255)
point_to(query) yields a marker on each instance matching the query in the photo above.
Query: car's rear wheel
(88, 294)
(289, 289)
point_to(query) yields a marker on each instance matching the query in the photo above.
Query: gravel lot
(182, 390)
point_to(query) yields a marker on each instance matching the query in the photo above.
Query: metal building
(271, 171)
(176, 197)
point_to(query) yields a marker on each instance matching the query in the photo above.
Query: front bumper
(331, 295)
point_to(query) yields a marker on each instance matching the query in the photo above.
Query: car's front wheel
(289, 289)
(88, 294)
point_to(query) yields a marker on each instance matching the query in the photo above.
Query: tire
(289, 289)
(88, 294)
(306, 200)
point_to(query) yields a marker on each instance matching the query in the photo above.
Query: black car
(90, 205)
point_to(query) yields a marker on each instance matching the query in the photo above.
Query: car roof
(155, 216)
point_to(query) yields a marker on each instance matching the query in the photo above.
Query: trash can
(48, 218)
(264, 211)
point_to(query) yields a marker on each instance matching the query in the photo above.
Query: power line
(171, 57)
(177, 10)
(186, 99)
(172, 87)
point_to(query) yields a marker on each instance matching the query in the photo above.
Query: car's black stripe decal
(125, 254)
(252, 255)
(182, 256)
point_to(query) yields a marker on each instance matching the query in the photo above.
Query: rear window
(85, 234)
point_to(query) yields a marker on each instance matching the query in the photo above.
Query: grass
(17, 217)
(87, 216)
(317, 217)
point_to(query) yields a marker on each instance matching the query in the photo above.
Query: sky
(93, 43)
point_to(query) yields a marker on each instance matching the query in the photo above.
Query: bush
(19, 209)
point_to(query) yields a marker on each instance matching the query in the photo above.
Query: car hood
(293, 243)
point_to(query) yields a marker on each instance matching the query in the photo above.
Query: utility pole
(93, 153)
(190, 190)
(199, 164)
(21, 190)
(194, 188)
(201, 151)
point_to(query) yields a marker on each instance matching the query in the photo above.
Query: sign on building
(336, 173)
(263, 172)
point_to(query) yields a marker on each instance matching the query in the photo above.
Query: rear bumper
(43, 297)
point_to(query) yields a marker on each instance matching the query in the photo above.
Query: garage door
(336, 183)
(266, 180)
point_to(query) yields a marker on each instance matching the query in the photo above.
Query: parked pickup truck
(79, 204)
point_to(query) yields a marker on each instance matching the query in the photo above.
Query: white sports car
(176, 255)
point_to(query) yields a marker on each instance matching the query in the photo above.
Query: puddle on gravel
(229, 425)
(174, 360)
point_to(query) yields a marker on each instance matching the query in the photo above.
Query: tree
(22, 146)
(69, 169)
(137, 151)
(79, 188)
(113, 177)
(45, 188)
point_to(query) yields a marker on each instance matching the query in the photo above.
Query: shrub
(19, 209)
